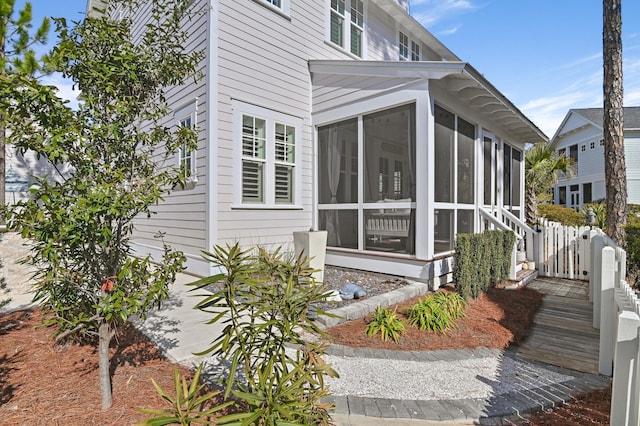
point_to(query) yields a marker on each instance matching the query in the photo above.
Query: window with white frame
(268, 156)
(403, 46)
(185, 117)
(346, 25)
(408, 50)
(415, 51)
(282, 6)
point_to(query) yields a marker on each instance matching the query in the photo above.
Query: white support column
(624, 399)
(607, 311)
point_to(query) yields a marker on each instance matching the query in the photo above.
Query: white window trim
(284, 9)
(410, 42)
(272, 117)
(346, 29)
(188, 111)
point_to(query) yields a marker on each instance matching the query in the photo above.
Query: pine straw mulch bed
(46, 384)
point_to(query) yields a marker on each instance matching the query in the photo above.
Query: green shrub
(186, 406)
(437, 312)
(600, 211)
(387, 323)
(633, 214)
(263, 302)
(564, 215)
(481, 261)
(455, 305)
(633, 246)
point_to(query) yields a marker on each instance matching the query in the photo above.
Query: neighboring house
(21, 171)
(580, 137)
(340, 115)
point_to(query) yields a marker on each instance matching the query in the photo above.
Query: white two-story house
(338, 115)
(580, 137)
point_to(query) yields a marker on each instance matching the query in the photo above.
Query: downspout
(211, 201)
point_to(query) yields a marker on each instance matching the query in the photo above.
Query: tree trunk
(3, 130)
(2, 169)
(531, 205)
(614, 165)
(104, 335)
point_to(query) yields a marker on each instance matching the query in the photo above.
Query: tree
(542, 168)
(123, 163)
(614, 160)
(16, 56)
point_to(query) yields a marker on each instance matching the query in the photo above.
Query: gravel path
(481, 377)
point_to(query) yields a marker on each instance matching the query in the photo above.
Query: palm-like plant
(542, 167)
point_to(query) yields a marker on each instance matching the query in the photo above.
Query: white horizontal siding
(182, 216)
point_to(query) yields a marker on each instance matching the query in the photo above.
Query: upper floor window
(415, 51)
(346, 25)
(403, 46)
(408, 50)
(592, 145)
(268, 156)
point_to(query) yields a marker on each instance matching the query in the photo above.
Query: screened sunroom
(407, 154)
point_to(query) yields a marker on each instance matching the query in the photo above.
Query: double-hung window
(268, 155)
(185, 117)
(346, 25)
(415, 51)
(403, 46)
(408, 50)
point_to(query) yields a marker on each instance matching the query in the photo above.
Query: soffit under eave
(400, 69)
(471, 88)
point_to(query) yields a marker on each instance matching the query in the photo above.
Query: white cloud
(66, 91)
(427, 12)
(581, 61)
(548, 112)
(450, 31)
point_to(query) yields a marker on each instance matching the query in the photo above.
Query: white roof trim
(404, 69)
(478, 88)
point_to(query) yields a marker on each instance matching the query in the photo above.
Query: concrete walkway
(438, 387)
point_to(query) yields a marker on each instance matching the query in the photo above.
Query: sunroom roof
(459, 78)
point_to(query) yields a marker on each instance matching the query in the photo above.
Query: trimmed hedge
(632, 238)
(481, 261)
(564, 215)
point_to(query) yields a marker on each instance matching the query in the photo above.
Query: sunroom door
(490, 161)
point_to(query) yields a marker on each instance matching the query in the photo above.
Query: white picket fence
(585, 253)
(562, 251)
(616, 312)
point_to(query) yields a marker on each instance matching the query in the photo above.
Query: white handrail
(499, 224)
(515, 219)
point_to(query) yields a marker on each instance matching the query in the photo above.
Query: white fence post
(586, 255)
(607, 311)
(595, 283)
(624, 403)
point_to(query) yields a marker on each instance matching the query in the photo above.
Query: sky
(544, 55)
